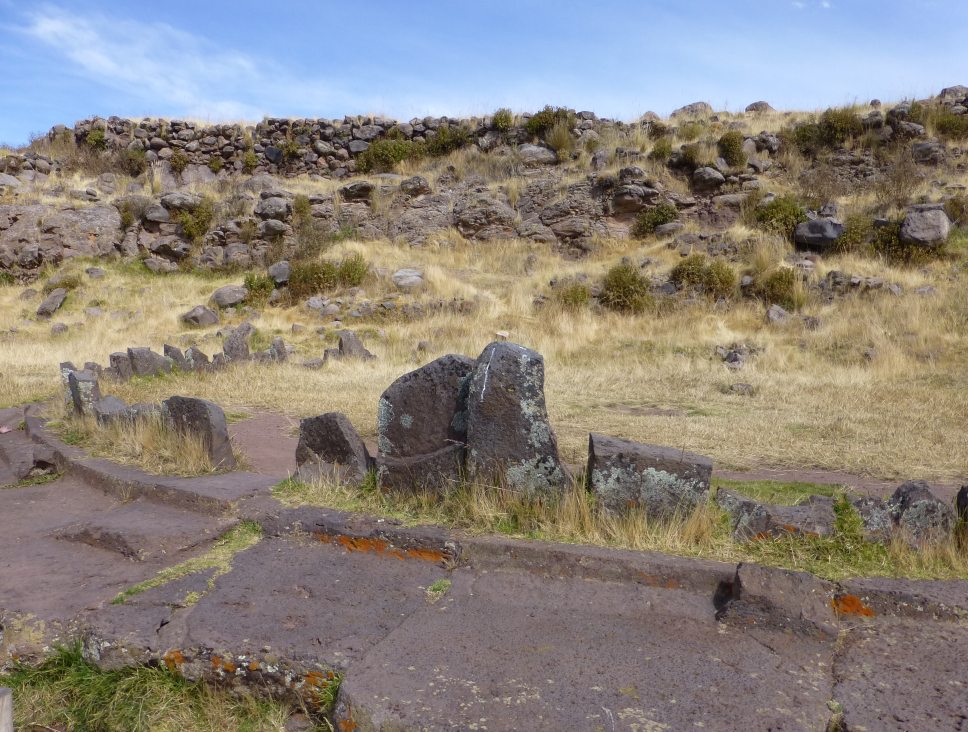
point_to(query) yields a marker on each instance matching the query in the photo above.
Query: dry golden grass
(147, 443)
(818, 403)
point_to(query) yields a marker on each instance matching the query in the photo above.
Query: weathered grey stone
(920, 514)
(205, 419)
(482, 216)
(961, 503)
(776, 314)
(121, 363)
(181, 201)
(415, 186)
(200, 316)
(930, 152)
(877, 518)
(278, 350)
(350, 346)
(279, 272)
(145, 362)
(751, 519)
(537, 155)
(422, 426)
(230, 295)
(110, 409)
(331, 445)
(819, 233)
(662, 481)
(408, 279)
(360, 190)
(52, 303)
(236, 345)
(196, 359)
(176, 356)
(274, 207)
(707, 179)
(509, 436)
(925, 227)
(696, 109)
(85, 391)
(759, 107)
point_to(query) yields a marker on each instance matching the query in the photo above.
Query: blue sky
(63, 61)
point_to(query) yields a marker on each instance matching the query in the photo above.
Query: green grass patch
(785, 493)
(239, 538)
(66, 692)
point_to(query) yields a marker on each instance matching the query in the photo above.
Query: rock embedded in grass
(52, 303)
(330, 446)
(662, 481)
(85, 391)
(145, 362)
(200, 316)
(422, 426)
(926, 226)
(919, 513)
(230, 295)
(509, 436)
(205, 419)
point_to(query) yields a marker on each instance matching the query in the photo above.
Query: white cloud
(171, 71)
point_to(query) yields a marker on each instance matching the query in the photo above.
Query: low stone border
(210, 494)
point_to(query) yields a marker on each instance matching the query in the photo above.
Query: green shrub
(560, 139)
(887, 243)
(290, 150)
(250, 161)
(382, 156)
(625, 289)
(448, 139)
(690, 131)
(781, 215)
(781, 287)
(658, 130)
(178, 161)
(693, 155)
(302, 209)
(957, 209)
(573, 296)
(540, 122)
(715, 279)
(312, 278)
(96, 139)
(67, 282)
(248, 230)
(858, 230)
(195, 223)
(661, 150)
(260, 287)
(951, 126)
(689, 272)
(834, 128)
(503, 120)
(6, 279)
(730, 147)
(216, 163)
(132, 162)
(650, 219)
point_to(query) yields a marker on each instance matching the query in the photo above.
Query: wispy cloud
(169, 70)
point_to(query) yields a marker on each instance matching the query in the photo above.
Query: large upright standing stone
(422, 426)
(236, 346)
(205, 419)
(330, 445)
(509, 437)
(66, 368)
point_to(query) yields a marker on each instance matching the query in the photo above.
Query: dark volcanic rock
(662, 481)
(422, 425)
(52, 303)
(145, 362)
(200, 316)
(110, 409)
(85, 391)
(331, 445)
(205, 419)
(919, 513)
(509, 437)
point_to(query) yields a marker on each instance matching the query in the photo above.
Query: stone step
(145, 530)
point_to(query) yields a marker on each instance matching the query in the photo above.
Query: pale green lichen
(384, 416)
(406, 420)
(659, 491)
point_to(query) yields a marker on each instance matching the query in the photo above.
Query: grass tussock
(704, 532)
(146, 443)
(67, 693)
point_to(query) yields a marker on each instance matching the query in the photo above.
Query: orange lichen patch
(851, 605)
(317, 679)
(253, 666)
(382, 547)
(223, 664)
(653, 580)
(346, 725)
(173, 659)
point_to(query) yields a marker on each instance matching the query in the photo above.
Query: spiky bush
(781, 215)
(625, 289)
(503, 120)
(730, 147)
(649, 220)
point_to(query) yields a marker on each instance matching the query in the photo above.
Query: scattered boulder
(877, 518)
(273, 207)
(408, 279)
(236, 345)
(120, 364)
(509, 436)
(482, 216)
(196, 359)
(662, 481)
(776, 315)
(696, 109)
(230, 295)
(350, 346)
(278, 351)
(52, 303)
(145, 362)
(422, 426)
(925, 226)
(205, 419)
(329, 445)
(751, 519)
(537, 155)
(279, 272)
(415, 186)
(110, 409)
(759, 107)
(919, 513)
(707, 179)
(819, 233)
(928, 153)
(961, 503)
(85, 391)
(176, 356)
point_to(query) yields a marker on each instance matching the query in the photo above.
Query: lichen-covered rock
(919, 513)
(85, 391)
(196, 359)
(509, 436)
(205, 419)
(236, 345)
(110, 409)
(176, 356)
(422, 426)
(350, 346)
(751, 519)
(482, 216)
(330, 445)
(877, 518)
(662, 481)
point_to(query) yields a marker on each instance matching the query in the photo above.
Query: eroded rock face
(205, 419)
(33, 235)
(330, 445)
(662, 481)
(919, 513)
(422, 426)
(509, 437)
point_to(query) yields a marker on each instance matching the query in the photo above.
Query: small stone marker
(6, 710)
(206, 419)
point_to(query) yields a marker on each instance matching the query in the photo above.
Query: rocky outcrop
(34, 235)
